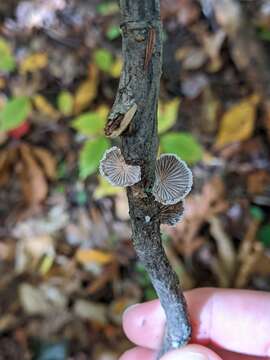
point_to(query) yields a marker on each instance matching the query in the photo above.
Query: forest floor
(68, 268)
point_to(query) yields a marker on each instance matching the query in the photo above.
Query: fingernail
(192, 356)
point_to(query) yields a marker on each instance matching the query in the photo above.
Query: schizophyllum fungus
(172, 184)
(173, 180)
(114, 168)
(172, 214)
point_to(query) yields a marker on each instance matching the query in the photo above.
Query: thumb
(191, 352)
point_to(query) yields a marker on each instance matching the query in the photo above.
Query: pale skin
(227, 325)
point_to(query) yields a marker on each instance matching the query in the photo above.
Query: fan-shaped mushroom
(114, 168)
(172, 214)
(173, 179)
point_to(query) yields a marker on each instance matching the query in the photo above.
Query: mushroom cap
(172, 214)
(173, 179)
(114, 168)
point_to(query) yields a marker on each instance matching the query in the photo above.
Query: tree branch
(139, 84)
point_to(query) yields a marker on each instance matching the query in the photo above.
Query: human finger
(147, 354)
(236, 320)
(189, 352)
(139, 353)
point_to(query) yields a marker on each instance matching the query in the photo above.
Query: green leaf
(90, 123)
(167, 114)
(14, 112)
(264, 235)
(103, 59)
(150, 293)
(139, 267)
(142, 275)
(143, 281)
(62, 170)
(113, 32)
(108, 8)
(91, 154)
(264, 34)
(7, 61)
(65, 102)
(182, 144)
(81, 197)
(257, 213)
(60, 189)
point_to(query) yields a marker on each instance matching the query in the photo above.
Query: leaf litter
(69, 269)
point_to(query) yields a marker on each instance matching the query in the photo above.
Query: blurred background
(68, 268)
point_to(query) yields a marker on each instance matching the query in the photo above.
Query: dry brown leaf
(247, 267)
(218, 270)
(12, 154)
(3, 160)
(7, 321)
(237, 124)
(3, 137)
(225, 248)
(186, 11)
(84, 95)
(214, 191)
(198, 209)
(210, 110)
(7, 157)
(117, 308)
(93, 72)
(212, 45)
(30, 250)
(262, 267)
(41, 300)
(106, 276)
(2, 83)
(47, 161)
(43, 106)
(34, 184)
(227, 13)
(85, 256)
(4, 178)
(258, 182)
(7, 250)
(248, 240)
(33, 62)
(88, 310)
(192, 58)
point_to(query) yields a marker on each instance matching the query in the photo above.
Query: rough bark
(139, 84)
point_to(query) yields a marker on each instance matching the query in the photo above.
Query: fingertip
(138, 353)
(141, 319)
(144, 323)
(192, 352)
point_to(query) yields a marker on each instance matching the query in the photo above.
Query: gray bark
(139, 83)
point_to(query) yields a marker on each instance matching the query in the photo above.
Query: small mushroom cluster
(172, 184)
